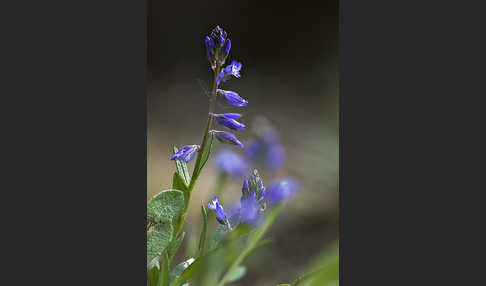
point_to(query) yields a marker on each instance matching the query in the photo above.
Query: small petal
(226, 137)
(212, 204)
(185, 153)
(282, 189)
(230, 123)
(210, 47)
(246, 188)
(220, 214)
(226, 48)
(232, 69)
(232, 98)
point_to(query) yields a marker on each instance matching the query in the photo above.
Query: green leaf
(178, 183)
(202, 239)
(259, 245)
(205, 153)
(182, 170)
(324, 273)
(179, 269)
(237, 273)
(175, 245)
(153, 272)
(158, 238)
(187, 273)
(222, 231)
(164, 271)
(165, 206)
(218, 235)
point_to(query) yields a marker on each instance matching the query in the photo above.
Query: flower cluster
(252, 198)
(255, 197)
(218, 47)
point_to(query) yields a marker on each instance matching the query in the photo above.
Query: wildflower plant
(219, 257)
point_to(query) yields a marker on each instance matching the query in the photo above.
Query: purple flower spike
(232, 69)
(220, 214)
(282, 189)
(186, 153)
(232, 164)
(226, 137)
(232, 98)
(210, 47)
(228, 120)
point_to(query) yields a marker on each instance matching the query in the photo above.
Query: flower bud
(186, 153)
(226, 137)
(232, 97)
(228, 120)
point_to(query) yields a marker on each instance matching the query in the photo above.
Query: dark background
(289, 53)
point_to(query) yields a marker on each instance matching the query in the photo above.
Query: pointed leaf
(165, 206)
(187, 273)
(153, 272)
(158, 239)
(164, 270)
(236, 274)
(205, 153)
(182, 170)
(179, 269)
(202, 239)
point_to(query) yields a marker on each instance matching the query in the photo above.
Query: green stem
(197, 170)
(249, 248)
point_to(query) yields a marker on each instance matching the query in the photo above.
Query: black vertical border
(74, 142)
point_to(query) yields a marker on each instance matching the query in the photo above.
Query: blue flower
(218, 46)
(226, 48)
(275, 157)
(210, 49)
(226, 137)
(232, 69)
(186, 153)
(250, 210)
(252, 202)
(220, 214)
(232, 97)
(219, 35)
(228, 120)
(232, 164)
(282, 189)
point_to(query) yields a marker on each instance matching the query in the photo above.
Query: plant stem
(253, 241)
(212, 102)
(197, 171)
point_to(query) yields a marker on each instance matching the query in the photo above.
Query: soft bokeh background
(289, 53)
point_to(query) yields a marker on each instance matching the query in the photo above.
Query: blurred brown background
(289, 53)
